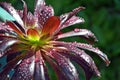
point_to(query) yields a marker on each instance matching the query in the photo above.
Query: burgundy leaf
(3, 26)
(40, 72)
(12, 55)
(70, 19)
(82, 55)
(25, 70)
(66, 66)
(73, 20)
(2, 36)
(10, 65)
(12, 11)
(67, 16)
(15, 28)
(42, 11)
(77, 32)
(6, 30)
(88, 71)
(24, 13)
(20, 12)
(31, 21)
(5, 45)
(91, 48)
(38, 4)
(19, 26)
(29, 40)
(15, 48)
(51, 25)
(58, 71)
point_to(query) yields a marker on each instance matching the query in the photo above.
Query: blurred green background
(102, 17)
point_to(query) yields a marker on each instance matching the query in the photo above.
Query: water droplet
(28, 61)
(74, 43)
(76, 30)
(3, 24)
(11, 9)
(37, 60)
(97, 49)
(8, 76)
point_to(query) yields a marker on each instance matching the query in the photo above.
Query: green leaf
(4, 15)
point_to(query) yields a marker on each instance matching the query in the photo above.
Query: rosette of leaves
(29, 40)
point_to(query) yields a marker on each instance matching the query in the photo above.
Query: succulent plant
(30, 40)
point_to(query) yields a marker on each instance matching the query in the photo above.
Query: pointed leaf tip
(107, 62)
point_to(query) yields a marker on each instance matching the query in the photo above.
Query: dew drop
(74, 42)
(3, 24)
(11, 9)
(28, 61)
(76, 30)
(96, 49)
(37, 60)
(8, 76)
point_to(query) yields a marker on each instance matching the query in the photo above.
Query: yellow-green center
(35, 39)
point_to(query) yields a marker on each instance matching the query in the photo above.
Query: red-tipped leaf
(51, 25)
(14, 27)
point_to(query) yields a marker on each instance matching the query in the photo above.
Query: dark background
(102, 17)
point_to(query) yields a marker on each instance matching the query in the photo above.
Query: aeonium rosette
(30, 40)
